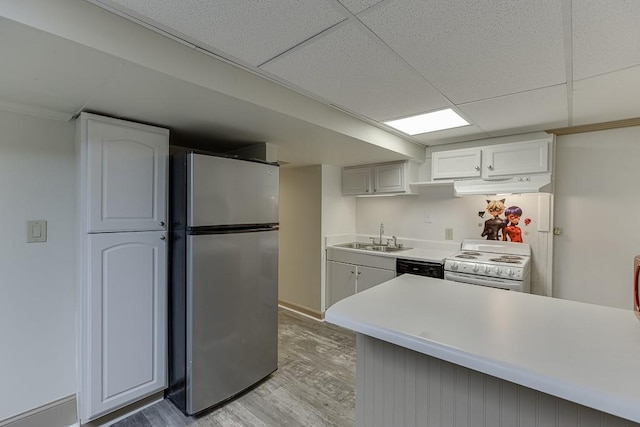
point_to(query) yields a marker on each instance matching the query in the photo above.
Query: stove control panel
(482, 269)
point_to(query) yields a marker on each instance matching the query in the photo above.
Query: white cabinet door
(124, 325)
(356, 180)
(517, 158)
(389, 178)
(126, 170)
(341, 279)
(464, 163)
(368, 277)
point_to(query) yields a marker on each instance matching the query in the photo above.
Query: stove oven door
(492, 282)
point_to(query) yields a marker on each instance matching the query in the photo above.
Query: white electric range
(504, 265)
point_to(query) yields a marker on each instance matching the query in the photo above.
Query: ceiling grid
(507, 66)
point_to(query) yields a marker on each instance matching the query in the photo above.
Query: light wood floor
(313, 386)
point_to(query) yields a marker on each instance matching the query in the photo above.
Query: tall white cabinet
(122, 349)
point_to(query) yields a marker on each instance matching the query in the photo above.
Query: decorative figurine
(493, 226)
(512, 230)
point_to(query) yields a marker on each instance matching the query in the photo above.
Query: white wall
(299, 271)
(37, 280)
(597, 205)
(338, 213)
(403, 216)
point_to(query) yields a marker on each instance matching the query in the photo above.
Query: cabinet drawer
(350, 257)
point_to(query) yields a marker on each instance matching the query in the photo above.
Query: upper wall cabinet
(465, 163)
(382, 178)
(126, 174)
(492, 161)
(516, 159)
(356, 180)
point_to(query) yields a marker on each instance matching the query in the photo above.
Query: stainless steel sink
(370, 247)
(355, 245)
(386, 249)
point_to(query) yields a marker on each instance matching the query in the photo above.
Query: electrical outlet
(448, 234)
(428, 217)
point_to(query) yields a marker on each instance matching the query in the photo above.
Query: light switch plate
(428, 217)
(36, 231)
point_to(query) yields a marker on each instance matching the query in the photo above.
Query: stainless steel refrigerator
(223, 277)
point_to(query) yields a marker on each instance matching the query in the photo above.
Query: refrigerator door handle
(230, 229)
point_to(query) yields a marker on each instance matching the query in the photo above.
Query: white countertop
(421, 250)
(584, 353)
(419, 254)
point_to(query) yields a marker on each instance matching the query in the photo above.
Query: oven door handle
(478, 281)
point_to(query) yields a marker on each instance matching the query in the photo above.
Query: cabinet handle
(163, 237)
(477, 168)
(352, 271)
(161, 223)
(490, 167)
(359, 272)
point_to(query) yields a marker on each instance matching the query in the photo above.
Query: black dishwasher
(419, 268)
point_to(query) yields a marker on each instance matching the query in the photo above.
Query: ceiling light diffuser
(428, 122)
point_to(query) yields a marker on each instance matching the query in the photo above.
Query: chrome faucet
(381, 231)
(394, 239)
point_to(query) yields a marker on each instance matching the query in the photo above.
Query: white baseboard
(64, 413)
(303, 311)
(59, 413)
(122, 413)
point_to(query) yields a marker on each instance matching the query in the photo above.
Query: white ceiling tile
(357, 6)
(448, 136)
(208, 117)
(476, 49)
(252, 31)
(612, 96)
(49, 72)
(606, 36)
(347, 67)
(537, 109)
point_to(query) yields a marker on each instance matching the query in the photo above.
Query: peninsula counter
(435, 352)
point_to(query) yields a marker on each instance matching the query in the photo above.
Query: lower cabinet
(368, 277)
(347, 275)
(341, 281)
(123, 328)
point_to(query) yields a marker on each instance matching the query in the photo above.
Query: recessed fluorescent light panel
(429, 122)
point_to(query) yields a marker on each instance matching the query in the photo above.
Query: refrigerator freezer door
(232, 331)
(226, 191)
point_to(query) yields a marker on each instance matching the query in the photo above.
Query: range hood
(538, 183)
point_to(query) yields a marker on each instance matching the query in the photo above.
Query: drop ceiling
(508, 67)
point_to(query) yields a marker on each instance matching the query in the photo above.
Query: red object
(514, 232)
(636, 297)
(527, 221)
